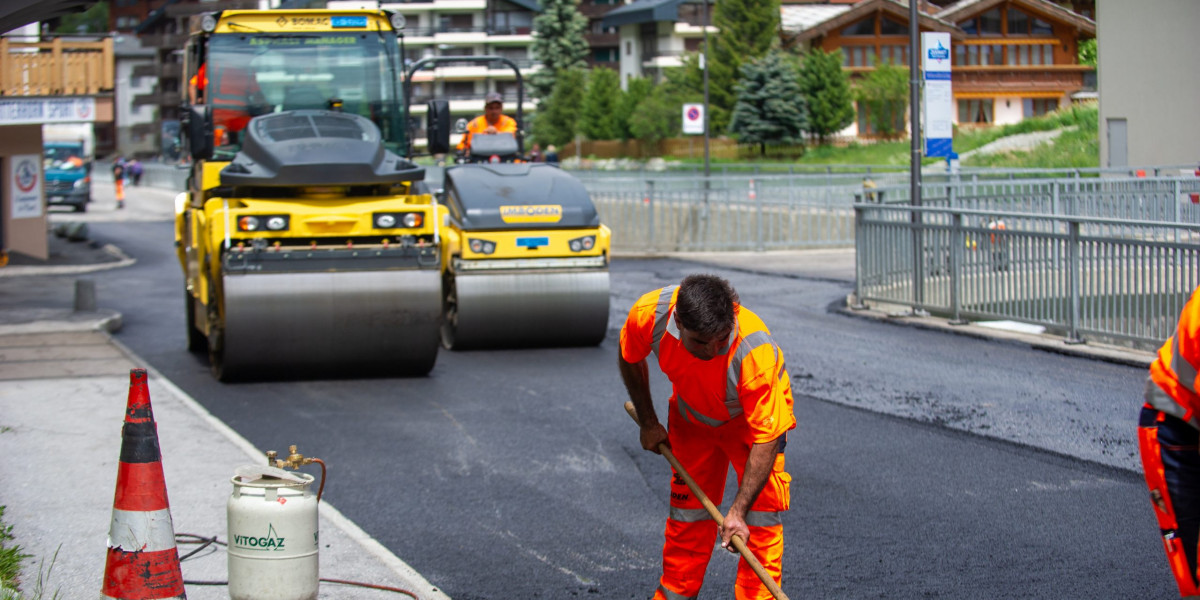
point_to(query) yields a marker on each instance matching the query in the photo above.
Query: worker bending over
(731, 404)
(1169, 442)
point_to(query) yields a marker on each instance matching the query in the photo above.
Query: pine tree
(557, 118)
(748, 30)
(639, 89)
(601, 105)
(826, 87)
(558, 43)
(770, 107)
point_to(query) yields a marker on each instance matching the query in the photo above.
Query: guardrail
(1081, 276)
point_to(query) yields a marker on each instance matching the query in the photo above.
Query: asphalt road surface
(925, 465)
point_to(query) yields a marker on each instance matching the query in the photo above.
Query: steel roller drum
(349, 320)
(553, 308)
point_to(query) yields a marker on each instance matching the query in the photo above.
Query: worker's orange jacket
(231, 97)
(505, 124)
(747, 380)
(1172, 385)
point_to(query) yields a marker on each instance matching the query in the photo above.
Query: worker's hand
(652, 435)
(735, 524)
(490, 129)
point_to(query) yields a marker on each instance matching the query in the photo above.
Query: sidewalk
(64, 384)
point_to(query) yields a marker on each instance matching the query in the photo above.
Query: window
(459, 90)
(628, 48)
(454, 23)
(890, 27)
(1036, 107)
(989, 22)
(975, 111)
(861, 28)
(601, 55)
(1026, 55)
(858, 56)
(895, 55)
(1018, 22)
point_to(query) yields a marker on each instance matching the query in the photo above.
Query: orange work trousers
(706, 454)
(1171, 462)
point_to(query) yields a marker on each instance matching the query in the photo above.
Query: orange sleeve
(766, 394)
(507, 124)
(639, 325)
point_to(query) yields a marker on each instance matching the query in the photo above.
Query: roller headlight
(479, 246)
(582, 244)
(410, 220)
(398, 21)
(263, 223)
(208, 23)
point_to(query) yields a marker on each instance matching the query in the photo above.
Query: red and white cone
(143, 561)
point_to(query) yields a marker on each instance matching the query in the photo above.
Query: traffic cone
(143, 561)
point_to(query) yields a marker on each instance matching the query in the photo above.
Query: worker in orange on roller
(731, 404)
(493, 120)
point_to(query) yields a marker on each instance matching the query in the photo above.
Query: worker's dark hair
(705, 304)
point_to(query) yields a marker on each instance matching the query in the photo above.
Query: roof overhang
(895, 9)
(967, 8)
(643, 11)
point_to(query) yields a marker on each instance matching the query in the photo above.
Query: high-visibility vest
(995, 225)
(231, 97)
(1171, 386)
(505, 124)
(748, 379)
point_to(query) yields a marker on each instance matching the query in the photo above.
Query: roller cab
(525, 258)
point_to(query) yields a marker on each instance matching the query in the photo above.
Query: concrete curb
(122, 260)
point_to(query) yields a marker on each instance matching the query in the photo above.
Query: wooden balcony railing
(56, 68)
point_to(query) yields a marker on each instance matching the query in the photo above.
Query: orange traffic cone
(143, 561)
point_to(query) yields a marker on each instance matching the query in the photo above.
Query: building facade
(1149, 114)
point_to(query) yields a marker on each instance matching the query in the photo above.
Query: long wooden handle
(716, 515)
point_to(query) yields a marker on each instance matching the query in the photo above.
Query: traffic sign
(693, 119)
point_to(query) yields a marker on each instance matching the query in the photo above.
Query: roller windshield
(253, 74)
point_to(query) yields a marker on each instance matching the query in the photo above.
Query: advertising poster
(25, 177)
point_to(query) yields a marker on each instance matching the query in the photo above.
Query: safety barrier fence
(1080, 276)
(682, 213)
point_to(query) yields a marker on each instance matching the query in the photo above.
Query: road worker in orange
(1169, 443)
(493, 120)
(236, 98)
(731, 404)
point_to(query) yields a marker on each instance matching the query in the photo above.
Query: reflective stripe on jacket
(748, 379)
(1171, 387)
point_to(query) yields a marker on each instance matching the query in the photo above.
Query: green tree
(558, 43)
(557, 118)
(770, 106)
(599, 119)
(827, 88)
(884, 95)
(656, 118)
(639, 89)
(748, 29)
(92, 20)
(1087, 52)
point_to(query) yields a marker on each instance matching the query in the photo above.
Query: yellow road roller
(307, 239)
(525, 258)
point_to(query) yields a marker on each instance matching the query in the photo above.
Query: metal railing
(1081, 276)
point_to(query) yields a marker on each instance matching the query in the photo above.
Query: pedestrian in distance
(731, 404)
(118, 171)
(1169, 444)
(535, 153)
(551, 156)
(135, 171)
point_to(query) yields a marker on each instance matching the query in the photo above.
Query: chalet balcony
(59, 67)
(1048, 78)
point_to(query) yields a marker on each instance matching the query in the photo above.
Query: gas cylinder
(272, 535)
